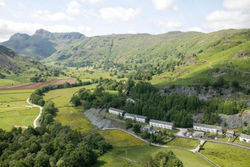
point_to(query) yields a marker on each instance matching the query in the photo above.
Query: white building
(116, 111)
(245, 138)
(207, 128)
(230, 134)
(137, 118)
(161, 124)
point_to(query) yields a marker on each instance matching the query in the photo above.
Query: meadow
(225, 155)
(132, 152)
(14, 110)
(183, 143)
(68, 115)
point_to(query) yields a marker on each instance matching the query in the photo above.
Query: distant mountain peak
(19, 36)
(43, 33)
(69, 35)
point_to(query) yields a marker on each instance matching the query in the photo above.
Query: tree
(137, 128)
(129, 123)
(42, 160)
(163, 159)
(75, 100)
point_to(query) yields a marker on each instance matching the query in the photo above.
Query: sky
(101, 17)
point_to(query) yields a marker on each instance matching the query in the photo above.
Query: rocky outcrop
(204, 93)
(236, 121)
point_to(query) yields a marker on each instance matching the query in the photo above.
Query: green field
(183, 143)
(226, 156)
(67, 114)
(132, 152)
(14, 110)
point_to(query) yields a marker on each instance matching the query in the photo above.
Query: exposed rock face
(97, 118)
(236, 121)
(202, 92)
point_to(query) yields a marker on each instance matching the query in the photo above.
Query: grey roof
(117, 110)
(134, 115)
(208, 126)
(245, 136)
(161, 122)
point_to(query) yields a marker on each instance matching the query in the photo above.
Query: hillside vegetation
(171, 58)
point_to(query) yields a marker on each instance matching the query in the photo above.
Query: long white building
(135, 117)
(116, 111)
(245, 138)
(161, 124)
(207, 128)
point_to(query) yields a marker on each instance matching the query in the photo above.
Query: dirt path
(39, 115)
(40, 84)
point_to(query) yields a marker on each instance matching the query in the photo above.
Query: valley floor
(127, 151)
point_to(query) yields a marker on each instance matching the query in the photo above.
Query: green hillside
(171, 58)
(18, 69)
(175, 57)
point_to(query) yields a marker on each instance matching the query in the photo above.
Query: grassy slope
(226, 156)
(225, 51)
(17, 113)
(126, 146)
(184, 143)
(68, 115)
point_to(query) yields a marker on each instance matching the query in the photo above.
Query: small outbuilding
(245, 138)
(198, 134)
(230, 134)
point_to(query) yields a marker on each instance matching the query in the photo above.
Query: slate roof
(208, 126)
(161, 122)
(136, 116)
(117, 110)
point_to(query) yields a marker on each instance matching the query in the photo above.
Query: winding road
(39, 115)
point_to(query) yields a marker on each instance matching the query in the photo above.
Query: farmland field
(14, 110)
(226, 156)
(132, 152)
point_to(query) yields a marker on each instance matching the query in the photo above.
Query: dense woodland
(175, 108)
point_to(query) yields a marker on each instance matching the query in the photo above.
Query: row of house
(142, 119)
(169, 125)
(207, 128)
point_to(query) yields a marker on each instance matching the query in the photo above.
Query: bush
(137, 128)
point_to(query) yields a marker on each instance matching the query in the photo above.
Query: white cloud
(235, 15)
(91, 1)
(8, 28)
(1, 2)
(164, 4)
(237, 4)
(48, 16)
(119, 13)
(170, 25)
(222, 19)
(73, 8)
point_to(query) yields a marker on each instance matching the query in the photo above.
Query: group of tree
(247, 131)
(97, 98)
(164, 159)
(53, 146)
